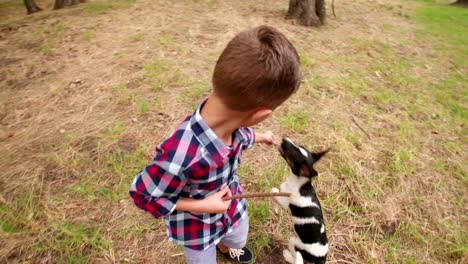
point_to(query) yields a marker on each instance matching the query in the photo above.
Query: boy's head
(259, 68)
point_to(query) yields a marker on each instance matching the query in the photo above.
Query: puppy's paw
(274, 190)
(299, 259)
(288, 257)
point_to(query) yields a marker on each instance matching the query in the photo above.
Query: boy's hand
(215, 203)
(267, 138)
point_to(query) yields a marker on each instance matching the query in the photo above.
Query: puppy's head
(299, 159)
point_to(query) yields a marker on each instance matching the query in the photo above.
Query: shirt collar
(207, 137)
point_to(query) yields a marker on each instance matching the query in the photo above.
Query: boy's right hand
(215, 203)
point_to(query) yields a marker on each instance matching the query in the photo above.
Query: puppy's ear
(318, 155)
(308, 171)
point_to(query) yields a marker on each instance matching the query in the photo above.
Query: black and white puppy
(311, 245)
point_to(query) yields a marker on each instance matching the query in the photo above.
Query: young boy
(197, 165)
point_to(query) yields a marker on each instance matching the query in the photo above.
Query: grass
(305, 59)
(74, 243)
(193, 95)
(47, 48)
(297, 120)
(142, 104)
(157, 74)
(88, 36)
(116, 131)
(165, 41)
(315, 83)
(444, 25)
(356, 82)
(161, 75)
(101, 7)
(137, 37)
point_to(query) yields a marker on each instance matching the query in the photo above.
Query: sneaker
(243, 255)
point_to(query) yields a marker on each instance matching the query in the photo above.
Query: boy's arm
(256, 137)
(212, 204)
(156, 190)
(267, 138)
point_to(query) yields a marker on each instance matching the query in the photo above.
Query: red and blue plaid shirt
(193, 163)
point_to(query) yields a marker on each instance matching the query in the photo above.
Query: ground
(87, 92)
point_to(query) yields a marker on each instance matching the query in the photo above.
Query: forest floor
(87, 92)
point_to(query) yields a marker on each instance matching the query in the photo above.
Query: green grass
(123, 93)
(258, 212)
(356, 82)
(193, 95)
(15, 217)
(259, 239)
(297, 120)
(142, 104)
(116, 131)
(313, 84)
(95, 191)
(456, 242)
(136, 229)
(11, 4)
(157, 73)
(446, 25)
(88, 36)
(453, 95)
(137, 37)
(305, 59)
(165, 40)
(47, 48)
(59, 27)
(101, 7)
(75, 243)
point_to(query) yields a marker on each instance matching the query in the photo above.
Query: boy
(197, 165)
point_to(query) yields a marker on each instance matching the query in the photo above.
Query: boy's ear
(259, 115)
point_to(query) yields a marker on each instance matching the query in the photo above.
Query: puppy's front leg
(281, 200)
(291, 255)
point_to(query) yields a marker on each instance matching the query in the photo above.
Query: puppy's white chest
(293, 185)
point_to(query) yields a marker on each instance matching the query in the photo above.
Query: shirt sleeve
(156, 189)
(249, 137)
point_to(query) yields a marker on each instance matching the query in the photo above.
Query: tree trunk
(461, 2)
(308, 12)
(31, 6)
(61, 4)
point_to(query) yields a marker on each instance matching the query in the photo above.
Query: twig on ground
(362, 129)
(177, 255)
(252, 195)
(333, 8)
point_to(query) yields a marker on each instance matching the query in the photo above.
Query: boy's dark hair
(258, 68)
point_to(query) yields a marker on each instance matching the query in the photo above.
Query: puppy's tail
(299, 259)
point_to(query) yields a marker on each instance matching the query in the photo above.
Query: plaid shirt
(194, 163)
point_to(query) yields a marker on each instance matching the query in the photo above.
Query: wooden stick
(333, 8)
(362, 129)
(253, 195)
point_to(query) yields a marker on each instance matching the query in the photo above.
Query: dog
(311, 243)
